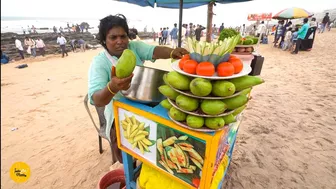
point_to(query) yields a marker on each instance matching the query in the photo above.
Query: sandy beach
(286, 140)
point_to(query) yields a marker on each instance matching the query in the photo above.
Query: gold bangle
(108, 87)
(171, 53)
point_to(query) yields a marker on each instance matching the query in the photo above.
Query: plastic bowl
(112, 177)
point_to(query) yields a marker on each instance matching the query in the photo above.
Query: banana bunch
(136, 134)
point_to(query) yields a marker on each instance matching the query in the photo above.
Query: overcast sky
(231, 14)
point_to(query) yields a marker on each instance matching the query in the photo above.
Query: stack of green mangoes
(203, 87)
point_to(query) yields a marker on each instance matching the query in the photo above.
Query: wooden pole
(209, 22)
(180, 24)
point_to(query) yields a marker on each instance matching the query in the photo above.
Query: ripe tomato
(189, 66)
(183, 60)
(238, 65)
(232, 58)
(205, 69)
(225, 69)
(186, 57)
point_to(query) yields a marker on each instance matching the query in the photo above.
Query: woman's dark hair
(108, 23)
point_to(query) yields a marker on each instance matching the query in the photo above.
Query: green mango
(214, 122)
(187, 103)
(223, 88)
(229, 119)
(178, 81)
(200, 87)
(239, 110)
(213, 107)
(177, 115)
(165, 79)
(195, 121)
(245, 82)
(164, 103)
(246, 91)
(126, 64)
(248, 42)
(235, 102)
(168, 92)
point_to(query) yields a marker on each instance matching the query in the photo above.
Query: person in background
(28, 29)
(243, 31)
(31, 46)
(301, 35)
(23, 30)
(173, 34)
(62, 42)
(330, 26)
(34, 29)
(55, 29)
(73, 43)
(273, 30)
(19, 47)
(279, 33)
(4, 58)
(160, 36)
(261, 30)
(294, 39)
(325, 22)
(221, 28)
(313, 23)
(198, 32)
(40, 46)
(82, 45)
(287, 41)
(214, 32)
(187, 33)
(191, 30)
(164, 36)
(103, 85)
(168, 37)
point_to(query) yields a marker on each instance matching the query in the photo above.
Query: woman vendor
(103, 85)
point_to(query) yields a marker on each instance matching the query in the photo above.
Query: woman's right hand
(118, 84)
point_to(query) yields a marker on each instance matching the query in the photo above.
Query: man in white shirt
(261, 31)
(62, 42)
(40, 45)
(18, 45)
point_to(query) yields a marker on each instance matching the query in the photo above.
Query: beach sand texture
(286, 140)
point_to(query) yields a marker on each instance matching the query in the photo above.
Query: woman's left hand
(178, 53)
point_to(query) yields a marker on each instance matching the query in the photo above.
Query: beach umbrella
(184, 4)
(292, 13)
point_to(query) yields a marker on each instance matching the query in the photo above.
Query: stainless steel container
(144, 86)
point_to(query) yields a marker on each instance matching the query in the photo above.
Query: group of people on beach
(35, 47)
(170, 37)
(301, 36)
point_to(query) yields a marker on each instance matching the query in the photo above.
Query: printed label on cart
(173, 151)
(138, 134)
(180, 154)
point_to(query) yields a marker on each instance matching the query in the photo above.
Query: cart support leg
(100, 144)
(129, 171)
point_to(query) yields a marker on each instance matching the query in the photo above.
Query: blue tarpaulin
(175, 4)
(180, 4)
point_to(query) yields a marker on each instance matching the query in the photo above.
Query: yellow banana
(143, 132)
(134, 127)
(134, 145)
(134, 133)
(144, 145)
(139, 137)
(128, 119)
(124, 126)
(128, 131)
(146, 141)
(140, 147)
(134, 120)
(141, 126)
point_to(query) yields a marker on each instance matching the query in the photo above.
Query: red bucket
(112, 179)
